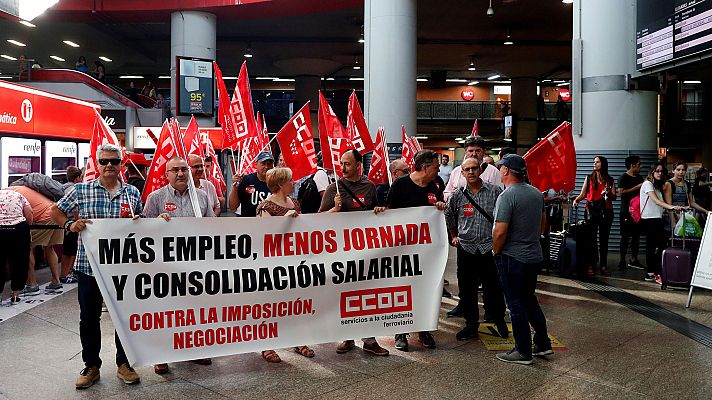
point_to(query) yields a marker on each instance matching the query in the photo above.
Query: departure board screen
(195, 87)
(667, 30)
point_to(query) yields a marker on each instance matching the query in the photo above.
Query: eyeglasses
(468, 169)
(176, 170)
(106, 161)
(197, 166)
(404, 170)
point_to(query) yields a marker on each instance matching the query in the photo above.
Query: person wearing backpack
(629, 185)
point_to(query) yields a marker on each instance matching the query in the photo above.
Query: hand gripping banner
(192, 288)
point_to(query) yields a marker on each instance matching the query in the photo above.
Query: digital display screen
(21, 165)
(195, 87)
(668, 30)
(60, 164)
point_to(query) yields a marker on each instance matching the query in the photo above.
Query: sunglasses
(468, 169)
(106, 161)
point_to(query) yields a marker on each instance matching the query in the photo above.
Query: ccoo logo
(26, 110)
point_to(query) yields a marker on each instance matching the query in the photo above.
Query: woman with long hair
(651, 218)
(599, 190)
(678, 193)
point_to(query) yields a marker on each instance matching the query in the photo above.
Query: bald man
(197, 168)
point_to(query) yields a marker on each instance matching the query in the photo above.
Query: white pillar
(193, 34)
(390, 66)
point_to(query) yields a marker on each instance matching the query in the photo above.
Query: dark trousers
(655, 243)
(630, 234)
(519, 283)
(602, 226)
(473, 269)
(15, 251)
(89, 323)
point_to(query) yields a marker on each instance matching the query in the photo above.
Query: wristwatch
(68, 225)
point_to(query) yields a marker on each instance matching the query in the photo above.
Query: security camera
(490, 12)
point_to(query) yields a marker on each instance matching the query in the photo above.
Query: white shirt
(321, 178)
(209, 189)
(457, 180)
(649, 210)
(444, 172)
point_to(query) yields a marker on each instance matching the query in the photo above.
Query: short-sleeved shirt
(364, 190)
(11, 205)
(41, 205)
(628, 182)
(251, 191)
(170, 201)
(490, 175)
(322, 180)
(444, 172)
(405, 193)
(93, 201)
(520, 206)
(648, 208)
(212, 193)
(473, 229)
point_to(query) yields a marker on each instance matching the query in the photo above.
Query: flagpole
(263, 148)
(137, 171)
(387, 156)
(191, 193)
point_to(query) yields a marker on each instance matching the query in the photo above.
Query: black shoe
(502, 329)
(542, 351)
(446, 294)
(456, 312)
(467, 333)
(402, 342)
(636, 264)
(427, 340)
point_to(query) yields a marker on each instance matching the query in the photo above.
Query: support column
(524, 112)
(390, 67)
(193, 34)
(306, 88)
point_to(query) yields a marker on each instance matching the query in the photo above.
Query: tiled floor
(613, 353)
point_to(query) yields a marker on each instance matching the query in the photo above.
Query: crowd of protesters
(494, 219)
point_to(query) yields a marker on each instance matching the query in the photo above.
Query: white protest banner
(192, 288)
(702, 274)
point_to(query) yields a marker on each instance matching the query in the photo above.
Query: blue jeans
(89, 328)
(518, 283)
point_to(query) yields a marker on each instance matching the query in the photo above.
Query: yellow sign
(493, 342)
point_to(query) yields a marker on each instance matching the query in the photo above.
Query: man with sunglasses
(197, 168)
(469, 221)
(106, 197)
(173, 201)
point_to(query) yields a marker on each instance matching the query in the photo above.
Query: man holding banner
(105, 197)
(356, 193)
(251, 189)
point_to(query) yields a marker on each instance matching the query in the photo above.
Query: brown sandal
(605, 271)
(305, 351)
(271, 356)
(590, 273)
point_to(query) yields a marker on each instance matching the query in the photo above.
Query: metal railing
(457, 110)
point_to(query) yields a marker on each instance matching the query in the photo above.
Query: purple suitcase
(677, 265)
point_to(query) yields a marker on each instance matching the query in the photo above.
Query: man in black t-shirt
(416, 190)
(251, 189)
(629, 187)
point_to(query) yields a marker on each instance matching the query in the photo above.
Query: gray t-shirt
(521, 206)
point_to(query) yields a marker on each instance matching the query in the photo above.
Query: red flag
(215, 175)
(297, 143)
(333, 136)
(250, 150)
(379, 161)
(241, 108)
(166, 149)
(102, 135)
(356, 127)
(475, 129)
(263, 136)
(551, 163)
(191, 138)
(224, 115)
(409, 148)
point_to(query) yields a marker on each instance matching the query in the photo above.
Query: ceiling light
(451, 148)
(567, 1)
(231, 78)
(361, 39)
(546, 80)
(508, 41)
(57, 58)
(496, 149)
(248, 52)
(5, 56)
(559, 81)
(70, 43)
(28, 24)
(421, 137)
(356, 65)
(283, 80)
(355, 79)
(16, 43)
(490, 10)
(131, 77)
(107, 59)
(456, 80)
(691, 82)
(329, 79)
(6, 77)
(164, 77)
(471, 67)
(507, 139)
(266, 78)
(473, 83)
(493, 77)
(563, 84)
(421, 80)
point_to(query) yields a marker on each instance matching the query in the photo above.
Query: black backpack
(308, 196)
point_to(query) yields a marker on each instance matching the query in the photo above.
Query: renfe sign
(467, 94)
(25, 110)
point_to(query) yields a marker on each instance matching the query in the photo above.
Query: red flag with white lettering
(191, 138)
(297, 144)
(475, 129)
(551, 163)
(333, 136)
(215, 175)
(356, 127)
(102, 135)
(263, 135)
(249, 151)
(379, 162)
(409, 148)
(241, 108)
(227, 122)
(166, 149)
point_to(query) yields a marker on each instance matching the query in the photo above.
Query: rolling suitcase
(563, 249)
(677, 265)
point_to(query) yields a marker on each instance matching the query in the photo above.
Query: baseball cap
(264, 156)
(139, 159)
(515, 162)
